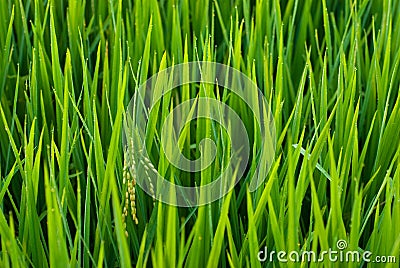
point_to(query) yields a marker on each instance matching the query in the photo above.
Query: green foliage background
(68, 68)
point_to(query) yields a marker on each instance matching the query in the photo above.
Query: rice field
(90, 95)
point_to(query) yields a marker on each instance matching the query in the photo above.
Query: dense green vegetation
(68, 70)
